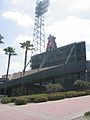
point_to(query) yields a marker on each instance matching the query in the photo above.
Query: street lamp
(86, 75)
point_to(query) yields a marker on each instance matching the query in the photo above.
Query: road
(66, 109)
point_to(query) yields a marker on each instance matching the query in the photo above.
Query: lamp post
(86, 75)
(65, 74)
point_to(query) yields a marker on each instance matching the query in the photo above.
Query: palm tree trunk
(24, 69)
(5, 82)
(8, 66)
(25, 62)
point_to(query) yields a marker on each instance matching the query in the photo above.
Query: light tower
(39, 31)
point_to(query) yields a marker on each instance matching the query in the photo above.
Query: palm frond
(1, 37)
(26, 45)
(10, 51)
(1, 41)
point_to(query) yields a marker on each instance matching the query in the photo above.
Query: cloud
(15, 67)
(20, 18)
(61, 9)
(22, 4)
(17, 62)
(19, 2)
(22, 38)
(80, 5)
(15, 2)
(88, 55)
(60, 23)
(19, 59)
(72, 29)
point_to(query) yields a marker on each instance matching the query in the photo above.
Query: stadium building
(62, 65)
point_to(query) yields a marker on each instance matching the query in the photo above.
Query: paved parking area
(66, 109)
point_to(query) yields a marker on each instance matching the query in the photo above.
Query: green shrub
(43, 97)
(87, 115)
(82, 85)
(26, 97)
(68, 95)
(12, 99)
(5, 100)
(40, 99)
(88, 92)
(55, 96)
(71, 94)
(20, 101)
(83, 93)
(33, 97)
(52, 88)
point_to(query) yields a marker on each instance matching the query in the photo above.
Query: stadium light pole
(39, 26)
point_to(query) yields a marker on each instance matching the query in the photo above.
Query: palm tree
(1, 37)
(27, 46)
(9, 51)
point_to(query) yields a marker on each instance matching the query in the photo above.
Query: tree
(1, 37)
(27, 46)
(9, 51)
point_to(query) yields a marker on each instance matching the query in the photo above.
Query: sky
(67, 20)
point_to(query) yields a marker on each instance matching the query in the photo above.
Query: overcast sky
(67, 20)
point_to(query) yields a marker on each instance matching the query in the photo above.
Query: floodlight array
(42, 8)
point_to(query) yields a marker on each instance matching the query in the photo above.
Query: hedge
(5, 100)
(26, 97)
(20, 101)
(12, 99)
(34, 97)
(43, 97)
(55, 96)
(40, 99)
(71, 94)
(87, 114)
(87, 92)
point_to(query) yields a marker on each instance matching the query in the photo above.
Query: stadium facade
(62, 65)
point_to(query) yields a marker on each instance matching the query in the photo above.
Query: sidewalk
(67, 109)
